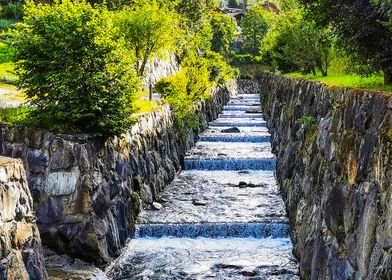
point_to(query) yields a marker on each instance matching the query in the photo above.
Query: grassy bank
(375, 82)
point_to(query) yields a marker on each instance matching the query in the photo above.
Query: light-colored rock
(21, 255)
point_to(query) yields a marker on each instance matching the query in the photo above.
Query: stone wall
(86, 191)
(20, 245)
(334, 166)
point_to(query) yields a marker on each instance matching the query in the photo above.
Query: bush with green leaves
(193, 83)
(75, 73)
(12, 11)
(224, 31)
(296, 44)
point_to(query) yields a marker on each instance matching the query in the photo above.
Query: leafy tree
(254, 26)
(296, 44)
(195, 11)
(148, 31)
(362, 26)
(385, 7)
(76, 76)
(224, 29)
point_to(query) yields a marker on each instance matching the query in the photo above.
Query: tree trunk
(388, 77)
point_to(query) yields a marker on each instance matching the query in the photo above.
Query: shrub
(12, 11)
(75, 74)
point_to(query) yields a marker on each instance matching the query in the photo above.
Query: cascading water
(223, 217)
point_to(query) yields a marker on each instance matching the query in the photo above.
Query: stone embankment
(87, 192)
(21, 254)
(334, 166)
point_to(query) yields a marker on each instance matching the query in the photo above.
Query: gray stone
(61, 183)
(156, 206)
(336, 179)
(231, 130)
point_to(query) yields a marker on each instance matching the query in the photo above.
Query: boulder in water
(231, 130)
(246, 185)
(156, 206)
(252, 111)
(198, 203)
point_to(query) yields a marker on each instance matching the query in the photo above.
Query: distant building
(238, 14)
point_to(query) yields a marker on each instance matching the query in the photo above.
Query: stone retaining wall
(21, 254)
(334, 166)
(88, 192)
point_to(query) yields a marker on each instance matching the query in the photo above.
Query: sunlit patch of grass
(141, 104)
(14, 116)
(375, 82)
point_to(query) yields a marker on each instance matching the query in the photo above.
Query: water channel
(223, 217)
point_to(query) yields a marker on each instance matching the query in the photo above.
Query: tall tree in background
(223, 29)
(148, 32)
(363, 26)
(254, 26)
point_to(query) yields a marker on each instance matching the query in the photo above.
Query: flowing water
(223, 216)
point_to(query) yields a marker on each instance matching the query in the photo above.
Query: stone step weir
(214, 230)
(223, 216)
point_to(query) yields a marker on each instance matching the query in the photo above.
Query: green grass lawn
(8, 90)
(141, 104)
(375, 82)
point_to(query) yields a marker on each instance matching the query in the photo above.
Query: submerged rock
(246, 185)
(198, 202)
(231, 130)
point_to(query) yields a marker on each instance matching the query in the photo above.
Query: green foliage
(6, 24)
(362, 26)
(141, 103)
(254, 26)
(244, 59)
(75, 73)
(224, 31)
(385, 8)
(147, 32)
(12, 11)
(306, 121)
(175, 92)
(196, 11)
(193, 83)
(233, 4)
(18, 116)
(296, 44)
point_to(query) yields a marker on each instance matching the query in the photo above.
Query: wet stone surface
(221, 218)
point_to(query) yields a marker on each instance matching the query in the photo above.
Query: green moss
(306, 121)
(388, 135)
(289, 112)
(311, 135)
(286, 187)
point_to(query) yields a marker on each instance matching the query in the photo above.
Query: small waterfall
(230, 164)
(234, 138)
(214, 230)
